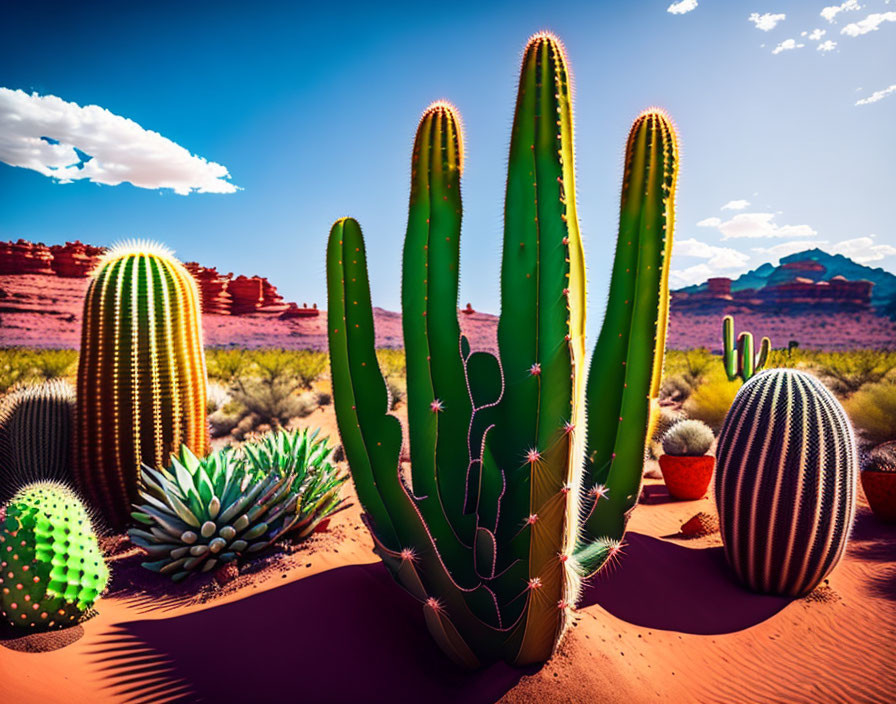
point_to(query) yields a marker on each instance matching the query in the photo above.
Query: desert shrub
(847, 372)
(309, 366)
(273, 400)
(324, 398)
(392, 363)
(712, 399)
(397, 391)
(872, 410)
(224, 420)
(675, 388)
(882, 458)
(225, 365)
(11, 370)
(690, 366)
(52, 364)
(217, 396)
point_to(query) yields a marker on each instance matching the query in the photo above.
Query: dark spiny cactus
(786, 483)
(36, 435)
(141, 374)
(739, 358)
(485, 530)
(51, 567)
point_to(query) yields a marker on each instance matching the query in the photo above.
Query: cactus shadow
(347, 634)
(875, 541)
(664, 585)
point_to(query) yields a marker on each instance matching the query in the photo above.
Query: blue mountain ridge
(882, 295)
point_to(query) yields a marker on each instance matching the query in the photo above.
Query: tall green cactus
(141, 374)
(485, 529)
(740, 360)
(36, 435)
(627, 365)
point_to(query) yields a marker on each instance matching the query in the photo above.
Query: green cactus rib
(51, 567)
(626, 368)
(36, 435)
(739, 358)
(141, 375)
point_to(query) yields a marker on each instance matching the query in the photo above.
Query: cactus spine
(786, 482)
(485, 533)
(740, 360)
(36, 435)
(626, 368)
(141, 374)
(51, 567)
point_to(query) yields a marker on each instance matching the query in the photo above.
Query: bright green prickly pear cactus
(52, 567)
(484, 529)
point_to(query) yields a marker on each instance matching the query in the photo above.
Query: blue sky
(311, 110)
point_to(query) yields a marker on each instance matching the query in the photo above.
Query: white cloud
(877, 95)
(755, 226)
(68, 142)
(678, 278)
(787, 45)
(827, 45)
(777, 251)
(829, 13)
(766, 22)
(735, 205)
(869, 24)
(679, 8)
(863, 249)
(816, 34)
(719, 257)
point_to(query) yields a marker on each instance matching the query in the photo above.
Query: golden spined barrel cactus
(141, 374)
(36, 435)
(51, 567)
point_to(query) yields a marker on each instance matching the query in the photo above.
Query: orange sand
(325, 623)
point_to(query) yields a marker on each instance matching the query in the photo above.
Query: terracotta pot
(687, 477)
(880, 490)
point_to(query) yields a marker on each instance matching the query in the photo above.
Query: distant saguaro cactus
(36, 435)
(141, 374)
(486, 531)
(739, 358)
(786, 483)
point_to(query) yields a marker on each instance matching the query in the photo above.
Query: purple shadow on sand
(664, 585)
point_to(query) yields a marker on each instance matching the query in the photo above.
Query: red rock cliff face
(25, 258)
(221, 294)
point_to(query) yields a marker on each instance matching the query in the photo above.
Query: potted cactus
(879, 481)
(686, 467)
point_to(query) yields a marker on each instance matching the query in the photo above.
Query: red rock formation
(25, 258)
(75, 259)
(213, 289)
(719, 287)
(247, 293)
(293, 311)
(468, 310)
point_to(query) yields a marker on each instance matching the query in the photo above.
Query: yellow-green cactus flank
(141, 374)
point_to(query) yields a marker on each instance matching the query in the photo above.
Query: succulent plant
(51, 567)
(141, 374)
(688, 438)
(204, 512)
(882, 458)
(786, 484)
(486, 530)
(36, 434)
(740, 360)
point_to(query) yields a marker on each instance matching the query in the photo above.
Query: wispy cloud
(863, 249)
(755, 226)
(735, 205)
(830, 12)
(718, 259)
(816, 34)
(870, 24)
(827, 45)
(679, 8)
(775, 252)
(877, 95)
(68, 142)
(767, 21)
(787, 45)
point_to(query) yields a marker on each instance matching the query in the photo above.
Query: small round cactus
(882, 458)
(51, 567)
(688, 438)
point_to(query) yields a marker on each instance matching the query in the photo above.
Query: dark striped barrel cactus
(786, 482)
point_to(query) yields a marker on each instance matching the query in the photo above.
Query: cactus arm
(439, 405)
(629, 354)
(359, 391)
(746, 358)
(540, 337)
(765, 348)
(729, 353)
